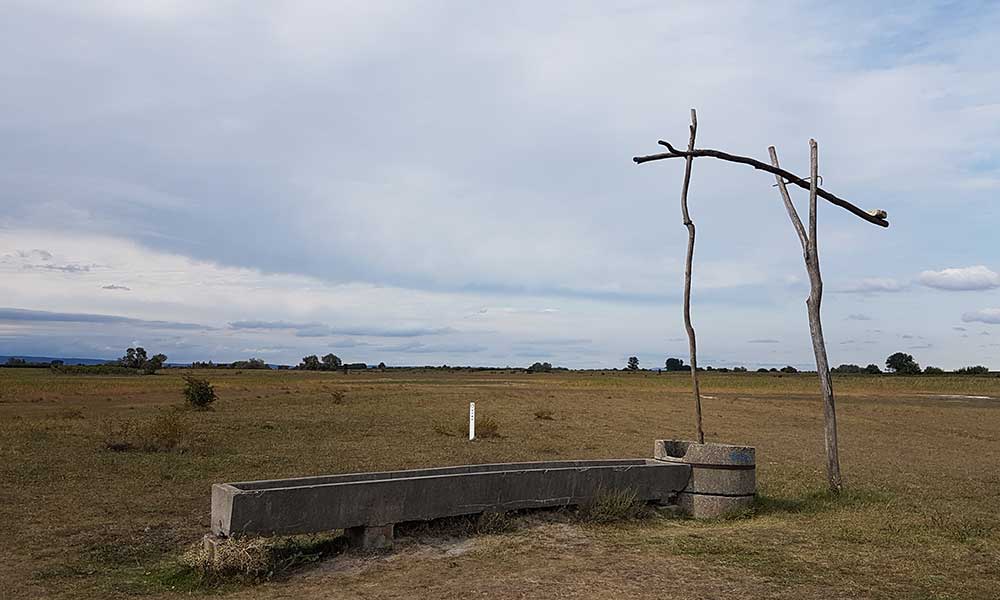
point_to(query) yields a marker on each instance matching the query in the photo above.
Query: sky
(426, 183)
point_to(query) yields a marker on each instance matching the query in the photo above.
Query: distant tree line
(251, 364)
(19, 363)
(855, 369)
(136, 361)
(901, 363)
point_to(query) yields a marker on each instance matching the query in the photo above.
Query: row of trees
(250, 364)
(904, 364)
(899, 363)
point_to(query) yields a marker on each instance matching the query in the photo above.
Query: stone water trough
(368, 505)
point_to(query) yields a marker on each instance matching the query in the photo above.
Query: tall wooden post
(692, 343)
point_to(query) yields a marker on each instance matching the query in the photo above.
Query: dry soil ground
(921, 518)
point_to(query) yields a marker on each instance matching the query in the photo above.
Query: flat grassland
(920, 517)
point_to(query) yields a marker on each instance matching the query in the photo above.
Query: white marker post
(472, 421)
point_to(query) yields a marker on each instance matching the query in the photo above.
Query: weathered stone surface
(371, 537)
(723, 476)
(693, 453)
(710, 506)
(313, 504)
(727, 482)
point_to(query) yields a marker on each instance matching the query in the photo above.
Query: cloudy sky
(451, 182)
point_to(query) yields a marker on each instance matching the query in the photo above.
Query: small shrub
(199, 393)
(117, 434)
(487, 427)
(442, 428)
(544, 414)
(165, 432)
(610, 506)
(338, 397)
(70, 413)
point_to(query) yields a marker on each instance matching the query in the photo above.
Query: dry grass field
(920, 519)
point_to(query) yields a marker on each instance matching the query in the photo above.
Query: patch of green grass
(817, 501)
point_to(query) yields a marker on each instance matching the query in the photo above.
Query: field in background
(920, 520)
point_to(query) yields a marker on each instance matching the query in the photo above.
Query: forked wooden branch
(876, 216)
(810, 253)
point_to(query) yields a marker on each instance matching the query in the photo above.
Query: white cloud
(977, 277)
(873, 285)
(427, 161)
(984, 315)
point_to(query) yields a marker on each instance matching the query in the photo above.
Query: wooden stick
(810, 253)
(877, 217)
(692, 344)
(816, 329)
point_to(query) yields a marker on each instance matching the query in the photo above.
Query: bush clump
(199, 393)
(611, 506)
(166, 432)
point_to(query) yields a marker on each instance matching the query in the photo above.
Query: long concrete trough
(367, 505)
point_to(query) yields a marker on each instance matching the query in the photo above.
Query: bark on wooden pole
(811, 255)
(692, 344)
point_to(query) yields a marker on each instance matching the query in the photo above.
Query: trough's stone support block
(723, 477)
(370, 537)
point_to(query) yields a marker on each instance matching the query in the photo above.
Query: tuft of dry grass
(257, 559)
(444, 428)
(544, 414)
(165, 432)
(613, 506)
(487, 428)
(494, 522)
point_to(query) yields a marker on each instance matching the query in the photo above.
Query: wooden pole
(810, 253)
(878, 217)
(692, 343)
